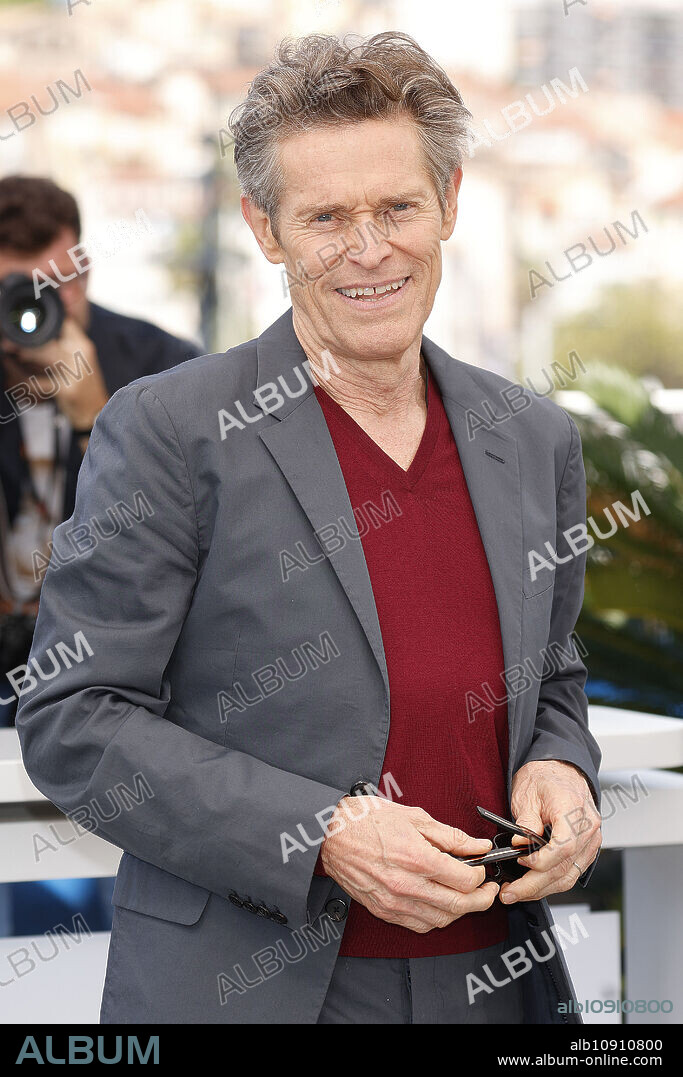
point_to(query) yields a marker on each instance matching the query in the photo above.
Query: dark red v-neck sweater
(441, 634)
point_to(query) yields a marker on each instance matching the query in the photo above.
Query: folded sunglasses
(501, 863)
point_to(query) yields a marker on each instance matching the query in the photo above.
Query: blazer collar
(281, 361)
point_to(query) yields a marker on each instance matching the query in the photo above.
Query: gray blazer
(221, 678)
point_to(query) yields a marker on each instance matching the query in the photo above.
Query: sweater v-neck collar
(383, 463)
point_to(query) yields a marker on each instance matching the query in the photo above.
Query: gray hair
(321, 81)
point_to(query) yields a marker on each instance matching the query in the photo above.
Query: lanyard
(43, 505)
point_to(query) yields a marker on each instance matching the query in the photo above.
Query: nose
(365, 244)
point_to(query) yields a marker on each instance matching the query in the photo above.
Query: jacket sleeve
(212, 816)
(561, 729)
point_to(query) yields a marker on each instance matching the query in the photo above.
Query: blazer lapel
(302, 447)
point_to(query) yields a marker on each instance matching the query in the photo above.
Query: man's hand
(80, 400)
(548, 791)
(394, 860)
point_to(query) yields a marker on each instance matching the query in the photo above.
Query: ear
(259, 222)
(451, 211)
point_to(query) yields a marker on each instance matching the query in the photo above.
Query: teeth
(373, 293)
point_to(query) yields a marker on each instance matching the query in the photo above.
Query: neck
(381, 388)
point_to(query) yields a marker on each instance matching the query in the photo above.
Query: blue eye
(320, 215)
(401, 205)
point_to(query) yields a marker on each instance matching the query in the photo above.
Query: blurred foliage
(638, 328)
(632, 618)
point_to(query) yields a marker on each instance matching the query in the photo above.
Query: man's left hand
(551, 792)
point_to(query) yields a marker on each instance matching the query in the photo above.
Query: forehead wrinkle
(342, 167)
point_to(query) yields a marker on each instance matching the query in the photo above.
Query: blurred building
(628, 49)
(551, 166)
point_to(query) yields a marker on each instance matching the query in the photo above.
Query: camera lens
(25, 320)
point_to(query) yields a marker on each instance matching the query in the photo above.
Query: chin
(382, 340)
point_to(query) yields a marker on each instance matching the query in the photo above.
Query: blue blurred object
(36, 907)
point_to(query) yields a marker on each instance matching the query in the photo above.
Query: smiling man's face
(359, 211)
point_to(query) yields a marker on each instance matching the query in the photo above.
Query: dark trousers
(423, 991)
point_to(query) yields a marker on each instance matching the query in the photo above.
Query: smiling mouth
(373, 293)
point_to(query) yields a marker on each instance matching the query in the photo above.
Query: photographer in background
(46, 419)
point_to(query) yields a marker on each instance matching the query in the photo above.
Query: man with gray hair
(325, 650)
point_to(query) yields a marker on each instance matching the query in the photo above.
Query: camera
(25, 320)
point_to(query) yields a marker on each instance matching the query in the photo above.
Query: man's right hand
(393, 860)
